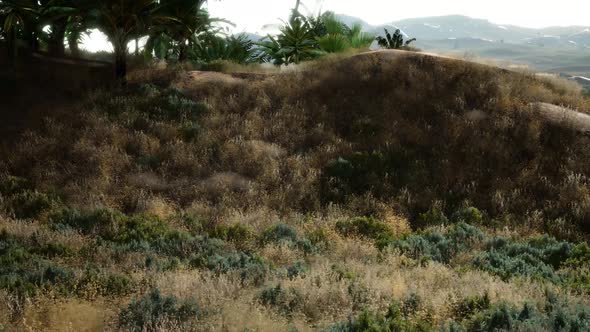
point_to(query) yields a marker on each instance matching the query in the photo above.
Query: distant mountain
(553, 49)
(462, 27)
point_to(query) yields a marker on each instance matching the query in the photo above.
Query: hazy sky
(252, 14)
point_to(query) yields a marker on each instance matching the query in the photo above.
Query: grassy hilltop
(384, 191)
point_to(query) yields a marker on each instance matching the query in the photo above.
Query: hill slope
(209, 201)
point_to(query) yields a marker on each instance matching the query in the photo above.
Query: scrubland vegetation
(375, 192)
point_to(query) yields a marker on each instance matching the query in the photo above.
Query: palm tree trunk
(56, 44)
(182, 53)
(120, 48)
(73, 43)
(137, 47)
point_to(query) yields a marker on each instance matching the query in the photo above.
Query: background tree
(394, 42)
(121, 21)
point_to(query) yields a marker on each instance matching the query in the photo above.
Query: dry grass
(425, 132)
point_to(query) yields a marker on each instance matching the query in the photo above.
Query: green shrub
(467, 307)
(29, 204)
(285, 234)
(297, 269)
(366, 227)
(557, 315)
(539, 258)
(392, 320)
(238, 234)
(432, 245)
(141, 229)
(24, 272)
(287, 301)
(10, 185)
(151, 311)
(469, 215)
(432, 217)
(99, 222)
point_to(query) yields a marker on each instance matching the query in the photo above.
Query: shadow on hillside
(35, 83)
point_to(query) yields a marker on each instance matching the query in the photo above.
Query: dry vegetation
(299, 200)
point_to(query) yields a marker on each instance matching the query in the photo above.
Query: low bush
(468, 215)
(366, 227)
(433, 245)
(286, 301)
(22, 201)
(153, 311)
(285, 234)
(98, 222)
(538, 258)
(24, 272)
(432, 217)
(466, 308)
(392, 320)
(555, 316)
(239, 234)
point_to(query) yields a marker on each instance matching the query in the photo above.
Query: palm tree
(297, 41)
(121, 21)
(19, 17)
(24, 18)
(189, 19)
(394, 42)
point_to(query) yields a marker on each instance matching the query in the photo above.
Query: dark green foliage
(556, 316)
(296, 270)
(235, 48)
(22, 201)
(469, 215)
(539, 258)
(23, 271)
(30, 204)
(99, 222)
(285, 234)
(151, 235)
(239, 234)
(392, 320)
(285, 300)
(466, 308)
(148, 312)
(395, 41)
(366, 227)
(433, 217)
(294, 44)
(440, 247)
(10, 185)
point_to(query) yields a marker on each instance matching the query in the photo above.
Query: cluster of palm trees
(120, 20)
(304, 38)
(175, 29)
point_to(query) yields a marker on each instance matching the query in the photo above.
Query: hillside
(386, 190)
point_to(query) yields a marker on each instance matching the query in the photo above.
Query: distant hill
(554, 49)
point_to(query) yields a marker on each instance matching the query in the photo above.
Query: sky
(252, 15)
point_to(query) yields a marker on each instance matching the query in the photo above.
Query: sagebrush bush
(392, 320)
(153, 311)
(367, 227)
(538, 257)
(440, 247)
(24, 272)
(286, 301)
(285, 234)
